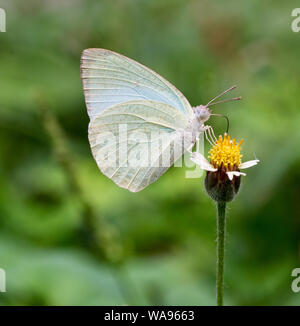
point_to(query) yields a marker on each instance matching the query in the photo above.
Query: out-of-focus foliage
(168, 230)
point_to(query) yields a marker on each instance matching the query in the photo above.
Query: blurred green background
(68, 235)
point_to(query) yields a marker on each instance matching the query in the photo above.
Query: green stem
(221, 227)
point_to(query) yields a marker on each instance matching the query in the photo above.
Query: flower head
(222, 181)
(226, 153)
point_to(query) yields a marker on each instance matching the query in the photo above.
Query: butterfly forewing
(110, 78)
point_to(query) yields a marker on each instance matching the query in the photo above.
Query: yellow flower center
(226, 153)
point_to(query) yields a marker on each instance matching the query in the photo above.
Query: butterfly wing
(110, 78)
(135, 142)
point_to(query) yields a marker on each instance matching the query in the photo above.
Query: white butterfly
(140, 124)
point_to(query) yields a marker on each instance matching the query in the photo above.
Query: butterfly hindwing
(135, 142)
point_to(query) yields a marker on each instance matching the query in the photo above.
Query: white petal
(236, 173)
(248, 164)
(200, 160)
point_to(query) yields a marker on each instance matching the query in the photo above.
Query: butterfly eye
(203, 114)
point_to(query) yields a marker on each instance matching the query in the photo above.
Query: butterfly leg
(209, 134)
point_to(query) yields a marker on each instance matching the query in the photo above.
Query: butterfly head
(202, 113)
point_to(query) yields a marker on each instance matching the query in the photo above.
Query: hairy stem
(221, 229)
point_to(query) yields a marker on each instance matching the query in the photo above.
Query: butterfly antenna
(224, 101)
(224, 116)
(227, 90)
